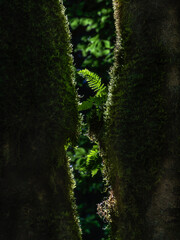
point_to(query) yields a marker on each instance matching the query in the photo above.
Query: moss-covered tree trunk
(143, 121)
(38, 116)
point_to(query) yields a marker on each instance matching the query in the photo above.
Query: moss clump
(38, 117)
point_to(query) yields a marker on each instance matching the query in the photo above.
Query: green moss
(39, 116)
(136, 116)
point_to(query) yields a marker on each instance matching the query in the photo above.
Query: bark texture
(38, 116)
(142, 141)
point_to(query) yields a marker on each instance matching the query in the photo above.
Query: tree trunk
(142, 121)
(38, 117)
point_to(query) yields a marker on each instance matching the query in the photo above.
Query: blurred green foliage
(89, 190)
(93, 34)
(93, 37)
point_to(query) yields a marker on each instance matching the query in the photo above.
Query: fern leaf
(94, 161)
(92, 156)
(94, 81)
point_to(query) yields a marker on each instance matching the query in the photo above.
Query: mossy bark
(141, 145)
(39, 116)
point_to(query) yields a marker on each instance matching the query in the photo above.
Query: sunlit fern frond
(94, 82)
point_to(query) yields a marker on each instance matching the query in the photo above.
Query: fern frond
(94, 82)
(93, 161)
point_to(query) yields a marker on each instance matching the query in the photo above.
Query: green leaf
(85, 105)
(94, 172)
